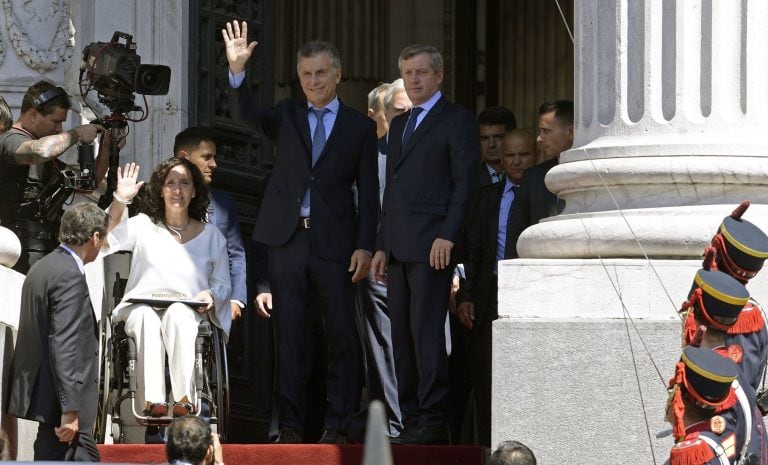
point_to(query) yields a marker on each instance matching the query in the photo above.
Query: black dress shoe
(288, 436)
(331, 436)
(424, 435)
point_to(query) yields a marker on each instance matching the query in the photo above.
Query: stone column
(671, 124)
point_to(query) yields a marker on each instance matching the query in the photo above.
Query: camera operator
(6, 119)
(191, 442)
(28, 153)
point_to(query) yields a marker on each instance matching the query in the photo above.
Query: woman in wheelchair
(177, 256)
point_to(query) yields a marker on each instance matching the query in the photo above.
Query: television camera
(114, 70)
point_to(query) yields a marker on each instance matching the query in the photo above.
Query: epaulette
(691, 451)
(750, 320)
(733, 352)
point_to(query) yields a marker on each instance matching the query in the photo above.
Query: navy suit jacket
(223, 214)
(533, 203)
(348, 159)
(430, 181)
(480, 285)
(55, 367)
(484, 177)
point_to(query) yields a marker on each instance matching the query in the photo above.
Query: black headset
(47, 96)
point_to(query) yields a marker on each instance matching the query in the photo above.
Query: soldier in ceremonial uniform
(739, 249)
(700, 388)
(713, 306)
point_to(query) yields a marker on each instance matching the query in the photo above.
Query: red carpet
(305, 454)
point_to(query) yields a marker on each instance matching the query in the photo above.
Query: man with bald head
(486, 239)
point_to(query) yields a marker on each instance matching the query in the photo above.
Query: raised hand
(236, 44)
(127, 184)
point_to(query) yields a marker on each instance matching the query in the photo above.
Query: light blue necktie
(318, 144)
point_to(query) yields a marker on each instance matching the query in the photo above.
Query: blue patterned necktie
(497, 176)
(318, 144)
(411, 126)
(318, 138)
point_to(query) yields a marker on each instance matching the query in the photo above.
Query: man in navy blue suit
(432, 171)
(197, 145)
(319, 242)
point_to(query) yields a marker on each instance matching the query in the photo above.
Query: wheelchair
(117, 371)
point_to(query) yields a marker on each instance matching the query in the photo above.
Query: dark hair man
(494, 123)
(535, 201)
(6, 118)
(196, 144)
(320, 244)
(191, 442)
(54, 372)
(36, 139)
(431, 174)
(555, 127)
(512, 453)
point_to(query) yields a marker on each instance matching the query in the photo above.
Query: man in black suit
(486, 234)
(494, 123)
(319, 243)
(534, 200)
(431, 174)
(55, 369)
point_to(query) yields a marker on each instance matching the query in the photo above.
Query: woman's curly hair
(152, 203)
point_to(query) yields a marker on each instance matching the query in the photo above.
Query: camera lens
(152, 79)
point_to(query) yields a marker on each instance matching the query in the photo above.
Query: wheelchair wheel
(219, 384)
(117, 433)
(104, 408)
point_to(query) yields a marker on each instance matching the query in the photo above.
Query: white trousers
(156, 333)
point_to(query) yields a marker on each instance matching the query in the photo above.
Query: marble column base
(677, 232)
(564, 371)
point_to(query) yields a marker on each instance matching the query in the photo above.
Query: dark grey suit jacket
(430, 181)
(349, 158)
(55, 367)
(533, 203)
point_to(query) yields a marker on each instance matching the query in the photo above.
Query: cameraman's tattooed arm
(49, 147)
(45, 148)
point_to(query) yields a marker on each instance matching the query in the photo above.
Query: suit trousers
(418, 303)
(382, 380)
(47, 447)
(156, 332)
(480, 366)
(302, 282)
